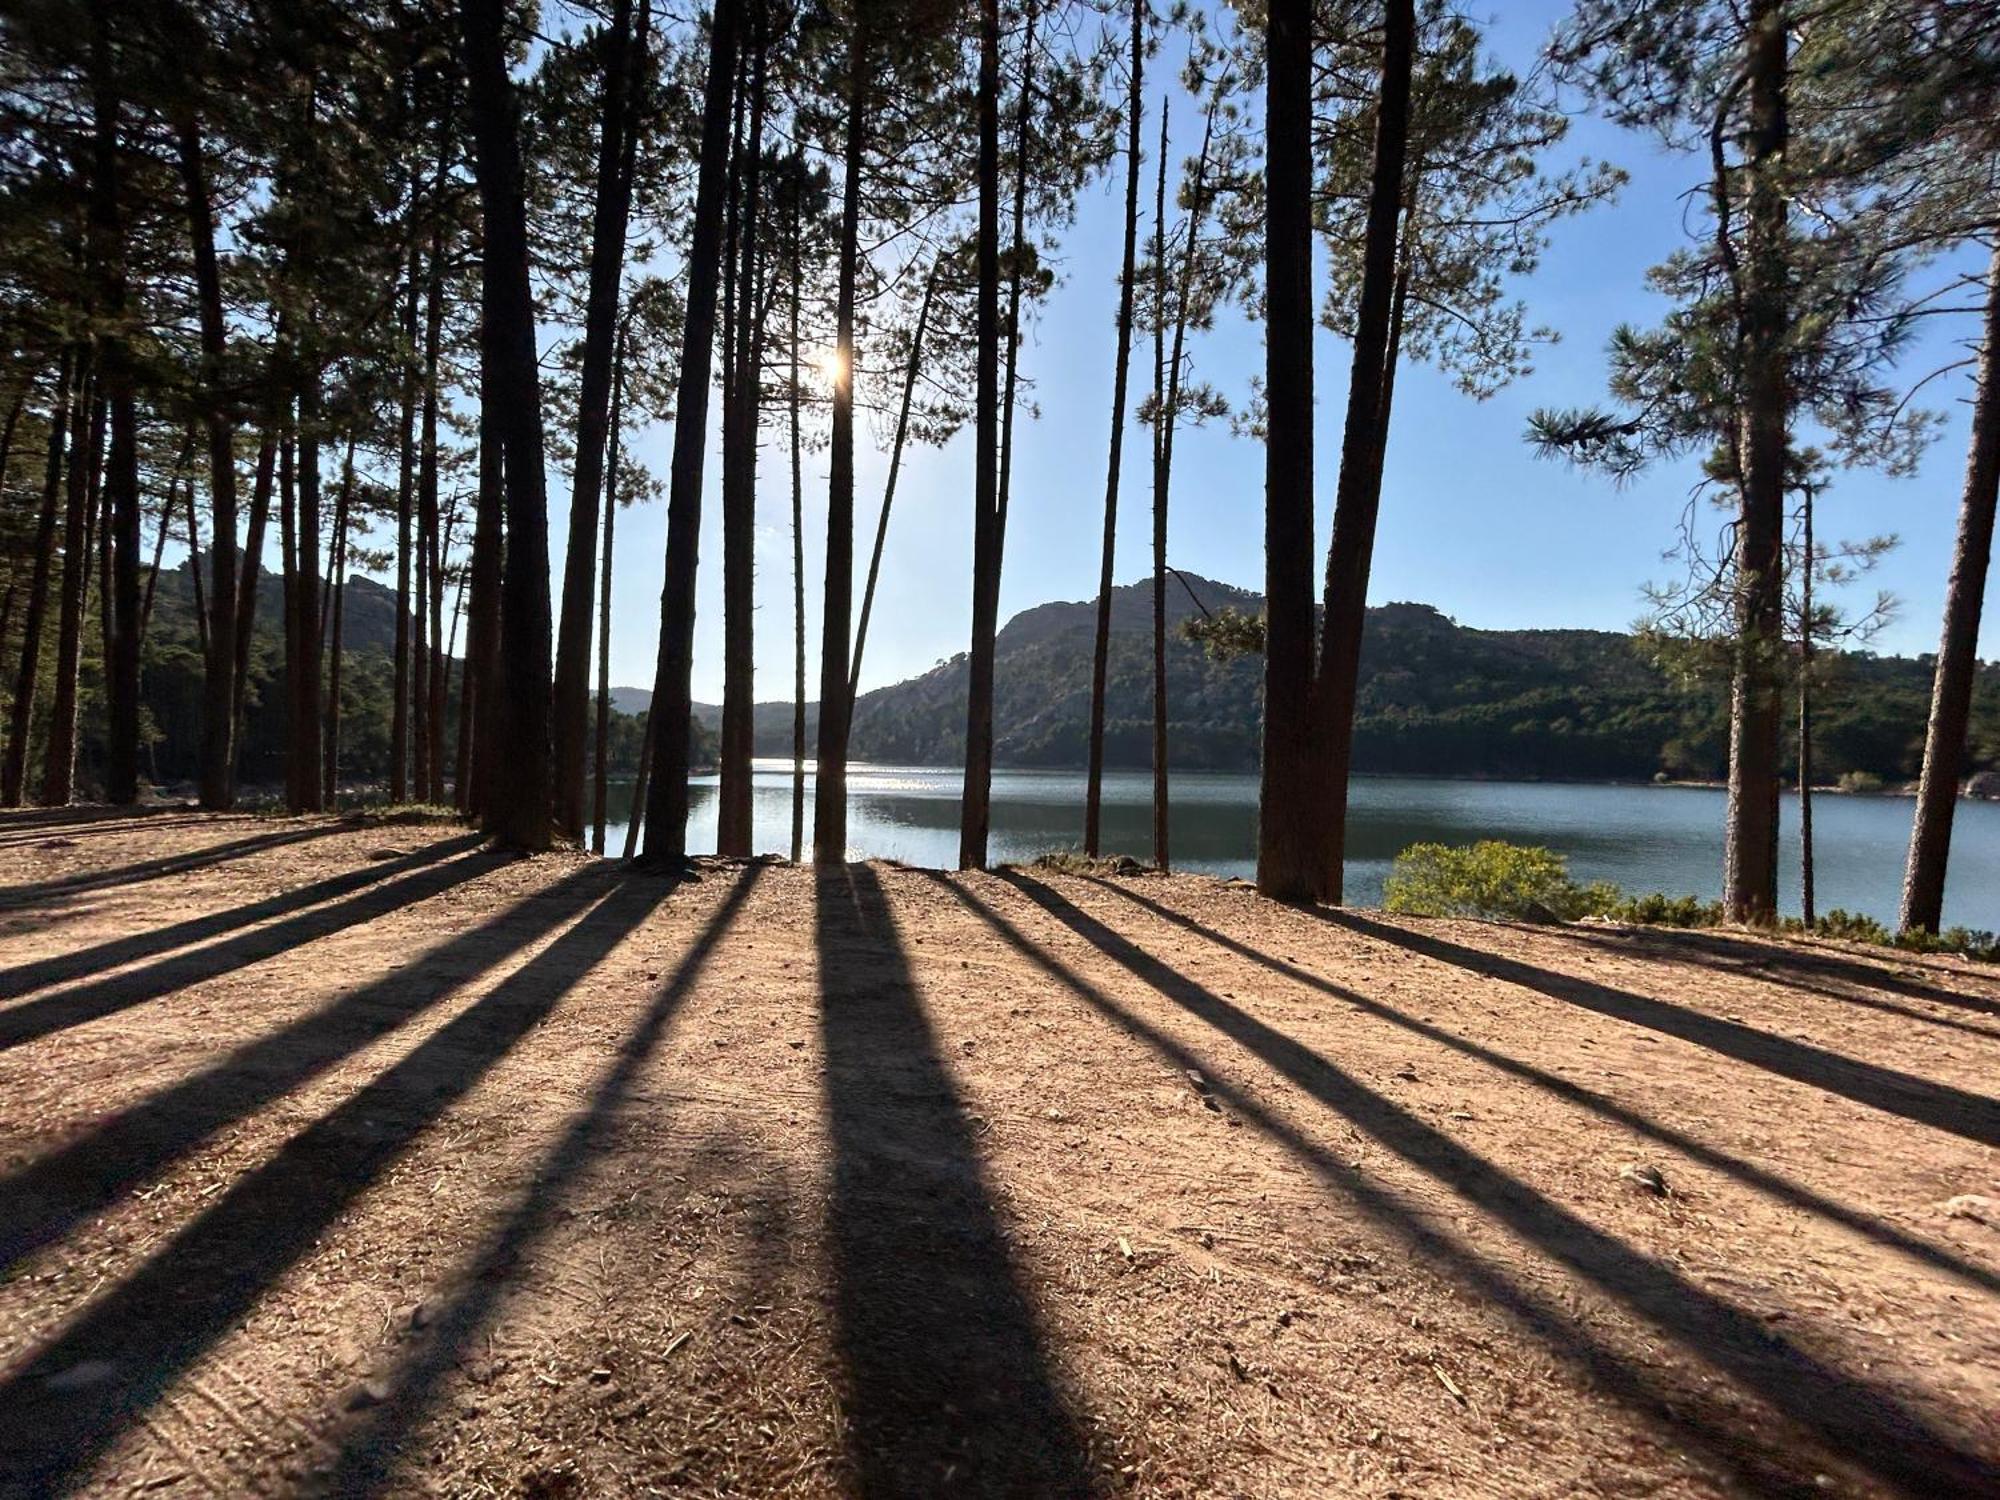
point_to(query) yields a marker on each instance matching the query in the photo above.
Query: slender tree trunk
(288, 551)
(976, 807)
(1287, 850)
(607, 267)
(1750, 853)
(640, 784)
(307, 722)
(518, 814)
(667, 797)
(406, 479)
(168, 505)
(218, 754)
(1358, 495)
(1093, 803)
(246, 592)
(798, 569)
(600, 794)
(1162, 437)
(1016, 260)
(910, 372)
(734, 800)
(1958, 650)
(483, 633)
(1807, 910)
(201, 619)
(335, 629)
(86, 454)
(429, 730)
(830, 779)
(121, 483)
(21, 712)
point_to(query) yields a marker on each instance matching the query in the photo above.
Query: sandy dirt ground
(352, 1159)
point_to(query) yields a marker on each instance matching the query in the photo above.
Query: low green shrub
(1661, 910)
(1491, 878)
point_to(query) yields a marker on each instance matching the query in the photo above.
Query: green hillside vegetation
(1437, 698)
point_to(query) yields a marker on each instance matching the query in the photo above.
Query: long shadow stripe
(1748, 1173)
(1863, 1422)
(138, 1338)
(948, 1386)
(370, 1446)
(166, 864)
(39, 1203)
(25, 979)
(1938, 1105)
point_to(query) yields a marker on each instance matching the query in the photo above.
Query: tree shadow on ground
(370, 1445)
(1836, 976)
(1938, 1105)
(1843, 1414)
(1781, 1188)
(75, 1396)
(60, 886)
(948, 1384)
(41, 1201)
(24, 979)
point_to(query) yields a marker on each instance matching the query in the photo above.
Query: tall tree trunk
(1287, 851)
(976, 806)
(307, 724)
(798, 567)
(1100, 660)
(288, 552)
(1016, 258)
(480, 700)
(607, 268)
(600, 794)
(429, 726)
(640, 784)
(734, 800)
(830, 780)
(201, 619)
(218, 752)
(335, 630)
(1162, 437)
(86, 453)
(1958, 651)
(246, 592)
(21, 712)
(518, 815)
(667, 797)
(1358, 495)
(1750, 850)
(910, 372)
(168, 505)
(121, 483)
(1807, 909)
(406, 485)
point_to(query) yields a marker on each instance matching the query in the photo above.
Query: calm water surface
(1644, 838)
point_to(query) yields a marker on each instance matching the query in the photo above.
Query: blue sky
(1471, 521)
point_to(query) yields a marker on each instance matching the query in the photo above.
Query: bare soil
(340, 1158)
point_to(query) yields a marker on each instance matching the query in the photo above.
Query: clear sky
(1471, 521)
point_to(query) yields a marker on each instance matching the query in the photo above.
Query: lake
(1645, 838)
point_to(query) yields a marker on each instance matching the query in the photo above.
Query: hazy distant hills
(1436, 697)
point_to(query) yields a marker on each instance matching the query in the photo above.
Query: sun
(831, 366)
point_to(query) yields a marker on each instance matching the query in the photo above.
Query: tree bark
(1807, 911)
(1093, 801)
(1287, 851)
(518, 815)
(667, 797)
(307, 724)
(21, 712)
(1750, 850)
(798, 568)
(599, 788)
(607, 268)
(406, 485)
(1162, 426)
(734, 802)
(288, 554)
(478, 700)
(246, 592)
(1958, 651)
(335, 630)
(218, 754)
(976, 808)
(1358, 495)
(837, 596)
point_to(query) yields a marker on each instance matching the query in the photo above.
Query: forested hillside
(1437, 698)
